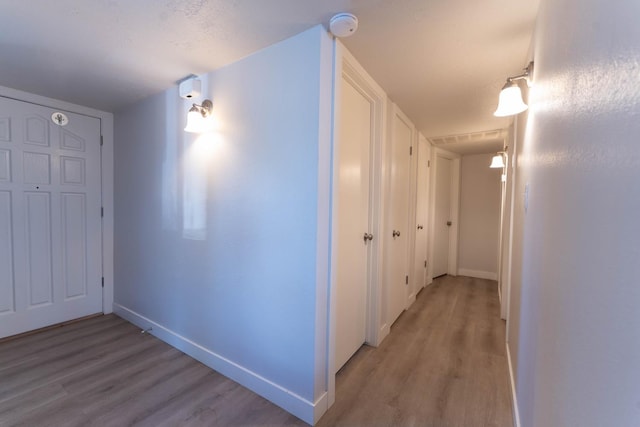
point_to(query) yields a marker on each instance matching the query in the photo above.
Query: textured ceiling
(442, 61)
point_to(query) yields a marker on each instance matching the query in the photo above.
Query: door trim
(512, 172)
(346, 65)
(106, 162)
(452, 268)
(504, 248)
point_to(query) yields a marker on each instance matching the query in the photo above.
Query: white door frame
(504, 254)
(106, 159)
(346, 65)
(512, 155)
(455, 208)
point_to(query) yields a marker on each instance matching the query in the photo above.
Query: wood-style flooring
(442, 365)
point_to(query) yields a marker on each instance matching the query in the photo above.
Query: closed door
(398, 223)
(50, 219)
(352, 221)
(442, 217)
(422, 204)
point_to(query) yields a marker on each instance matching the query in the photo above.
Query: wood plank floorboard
(103, 372)
(443, 365)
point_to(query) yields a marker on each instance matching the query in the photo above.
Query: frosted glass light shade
(199, 117)
(510, 101)
(497, 162)
(194, 122)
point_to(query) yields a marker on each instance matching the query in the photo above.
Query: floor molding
(516, 413)
(385, 330)
(307, 411)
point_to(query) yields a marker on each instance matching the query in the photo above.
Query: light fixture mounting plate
(190, 88)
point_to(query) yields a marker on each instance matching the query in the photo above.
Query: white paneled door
(355, 136)
(422, 214)
(442, 217)
(50, 219)
(397, 249)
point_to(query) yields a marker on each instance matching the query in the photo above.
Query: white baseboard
(516, 413)
(319, 408)
(305, 410)
(385, 330)
(411, 300)
(478, 274)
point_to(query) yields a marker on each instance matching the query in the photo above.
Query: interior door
(422, 216)
(442, 217)
(355, 133)
(398, 224)
(50, 220)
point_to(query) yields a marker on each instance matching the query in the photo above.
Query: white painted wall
(221, 241)
(575, 336)
(479, 217)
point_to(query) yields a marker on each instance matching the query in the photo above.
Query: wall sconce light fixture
(510, 102)
(497, 161)
(198, 117)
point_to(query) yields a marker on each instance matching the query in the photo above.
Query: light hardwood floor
(443, 365)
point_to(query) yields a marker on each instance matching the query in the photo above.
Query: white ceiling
(442, 61)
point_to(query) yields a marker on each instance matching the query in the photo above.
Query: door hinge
(101, 211)
(410, 151)
(103, 282)
(406, 280)
(101, 140)
(425, 263)
(428, 163)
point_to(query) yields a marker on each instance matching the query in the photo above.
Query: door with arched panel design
(50, 217)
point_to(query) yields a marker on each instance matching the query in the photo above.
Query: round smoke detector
(343, 25)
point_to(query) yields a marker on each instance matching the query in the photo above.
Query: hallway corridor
(443, 365)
